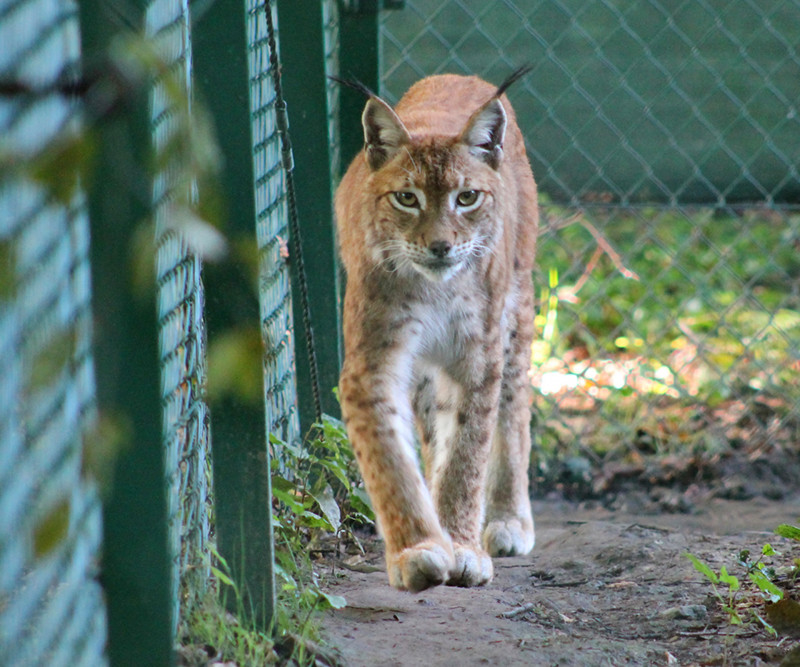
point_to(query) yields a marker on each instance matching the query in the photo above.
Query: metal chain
(295, 245)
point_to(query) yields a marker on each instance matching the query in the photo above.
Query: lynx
(437, 223)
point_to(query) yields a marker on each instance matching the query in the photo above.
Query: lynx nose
(440, 249)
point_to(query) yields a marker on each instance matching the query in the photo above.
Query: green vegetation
(318, 494)
(651, 317)
(766, 595)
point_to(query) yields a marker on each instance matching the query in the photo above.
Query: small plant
(727, 601)
(789, 532)
(763, 590)
(213, 631)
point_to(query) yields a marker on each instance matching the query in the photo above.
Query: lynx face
(436, 196)
(437, 224)
(437, 212)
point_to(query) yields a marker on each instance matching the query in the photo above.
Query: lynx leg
(509, 528)
(418, 552)
(424, 404)
(462, 428)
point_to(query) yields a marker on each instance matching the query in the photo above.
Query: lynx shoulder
(437, 221)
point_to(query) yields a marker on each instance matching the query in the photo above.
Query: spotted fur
(437, 223)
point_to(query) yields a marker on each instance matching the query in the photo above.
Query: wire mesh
(330, 19)
(665, 140)
(272, 236)
(628, 101)
(51, 604)
(182, 330)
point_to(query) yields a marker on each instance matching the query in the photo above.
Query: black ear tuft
(384, 132)
(514, 76)
(355, 84)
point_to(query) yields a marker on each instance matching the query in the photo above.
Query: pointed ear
(384, 132)
(485, 131)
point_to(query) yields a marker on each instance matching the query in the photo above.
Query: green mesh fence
(182, 329)
(51, 605)
(628, 100)
(272, 234)
(665, 139)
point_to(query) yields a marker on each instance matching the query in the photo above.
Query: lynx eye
(468, 198)
(406, 199)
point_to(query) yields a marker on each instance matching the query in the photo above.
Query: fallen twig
(613, 255)
(511, 613)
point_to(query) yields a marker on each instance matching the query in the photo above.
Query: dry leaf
(784, 616)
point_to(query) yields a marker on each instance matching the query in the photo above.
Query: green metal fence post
(239, 438)
(304, 86)
(358, 59)
(135, 566)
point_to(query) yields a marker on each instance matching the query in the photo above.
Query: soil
(607, 584)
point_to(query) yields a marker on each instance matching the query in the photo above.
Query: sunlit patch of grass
(711, 322)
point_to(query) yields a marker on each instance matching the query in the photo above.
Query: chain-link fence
(272, 233)
(51, 604)
(53, 447)
(665, 140)
(180, 313)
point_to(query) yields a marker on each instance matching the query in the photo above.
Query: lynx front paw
(419, 567)
(509, 537)
(473, 567)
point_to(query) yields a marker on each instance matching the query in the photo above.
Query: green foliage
(789, 532)
(211, 628)
(8, 269)
(704, 277)
(762, 589)
(234, 366)
(318, 494)
(650, 319)
(726, 600)
(51, 530)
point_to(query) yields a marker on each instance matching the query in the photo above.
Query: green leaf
(702, 568)
(48, 362)
(333, 427)
(234, 366)
(767, 550)
(289, 582)
(290, 447)
(766, 625)
(339, 471)
(791, 532)
(52, 529)
(224, 578)
(335, 601)
(766, 586)
(285, 491)
(281, 483)
(330, 508)
(8, 270)
(360, 501)
(733, 615)
(62, 167)
(725, 578)
(313, 520)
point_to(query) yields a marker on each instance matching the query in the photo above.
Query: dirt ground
(606, 584)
